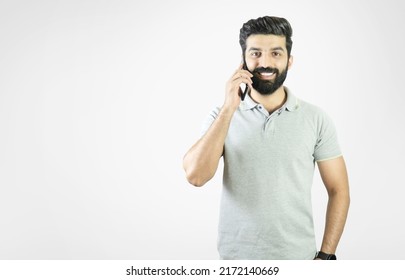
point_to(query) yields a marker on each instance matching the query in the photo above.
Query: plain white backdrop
(99, 101)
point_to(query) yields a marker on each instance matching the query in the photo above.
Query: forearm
(336, 214)
(201, 161)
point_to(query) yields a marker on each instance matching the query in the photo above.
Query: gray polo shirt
(269, 161)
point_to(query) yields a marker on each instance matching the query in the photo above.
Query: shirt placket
(268, 125)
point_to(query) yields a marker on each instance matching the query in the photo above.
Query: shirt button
(260, 107)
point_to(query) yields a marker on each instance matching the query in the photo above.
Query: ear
(290, 61)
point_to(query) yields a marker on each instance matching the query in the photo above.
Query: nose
(265, 61)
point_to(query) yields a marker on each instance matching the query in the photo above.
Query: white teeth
(266, 74)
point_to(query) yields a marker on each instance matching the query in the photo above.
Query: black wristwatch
(324, 256)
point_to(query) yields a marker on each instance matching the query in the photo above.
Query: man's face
(267, 59)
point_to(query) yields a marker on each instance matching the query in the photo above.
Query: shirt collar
(291, 104)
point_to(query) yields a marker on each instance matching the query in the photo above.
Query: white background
(99, 101)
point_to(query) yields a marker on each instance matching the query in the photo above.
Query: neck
(271, 102)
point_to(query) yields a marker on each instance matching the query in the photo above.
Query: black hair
(266, 25)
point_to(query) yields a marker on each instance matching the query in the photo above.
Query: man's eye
(255, 54)
(276, 54)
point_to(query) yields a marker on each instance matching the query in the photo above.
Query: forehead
(265, 41)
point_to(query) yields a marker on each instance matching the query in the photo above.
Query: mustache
(266, 70)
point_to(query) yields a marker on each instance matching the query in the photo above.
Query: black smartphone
(245, 91)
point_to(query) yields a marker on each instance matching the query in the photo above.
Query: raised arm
(334, 177)
(201, 161)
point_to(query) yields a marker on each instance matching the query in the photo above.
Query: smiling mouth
(267, 75)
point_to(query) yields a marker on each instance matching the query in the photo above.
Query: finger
(247, 81)
(241, 81)
(243, 72)
(242, 76)
(237, 70)
(250, 86)
(247, 72)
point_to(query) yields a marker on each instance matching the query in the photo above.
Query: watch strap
(325, 256)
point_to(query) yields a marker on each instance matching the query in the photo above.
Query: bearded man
(270, 141)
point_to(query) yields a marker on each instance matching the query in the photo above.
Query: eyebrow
(278, 49)
(254, 49)
(273, 49)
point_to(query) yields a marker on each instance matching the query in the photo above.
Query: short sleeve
(327, 146)
(209, 120)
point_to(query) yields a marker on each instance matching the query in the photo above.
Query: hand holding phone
(234, 93)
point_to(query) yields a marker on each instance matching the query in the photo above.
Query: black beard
(268, 87)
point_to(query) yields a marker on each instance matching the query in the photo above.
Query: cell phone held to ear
(246, 88)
